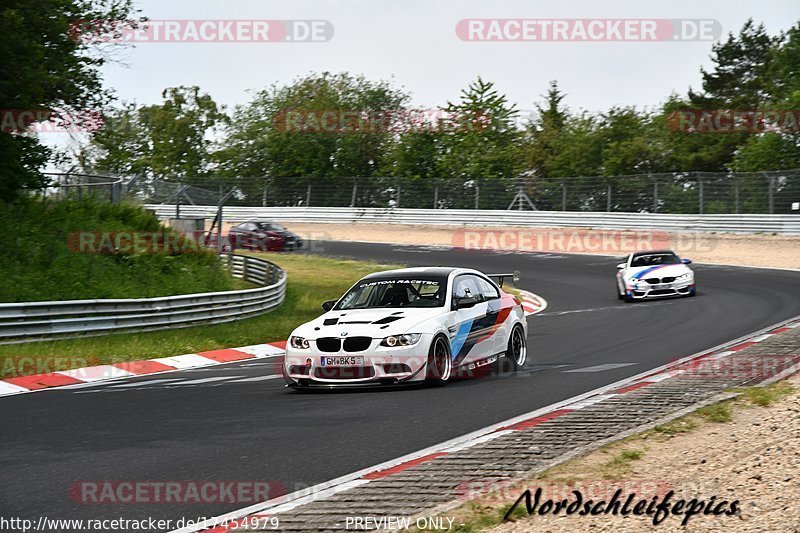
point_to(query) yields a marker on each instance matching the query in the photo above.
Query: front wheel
(440, 363)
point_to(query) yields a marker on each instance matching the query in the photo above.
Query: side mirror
(686, 261)
(620, 266)
(466, 302)
(328, 305)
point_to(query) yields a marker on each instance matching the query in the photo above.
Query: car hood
(375, 323)
(660, 271)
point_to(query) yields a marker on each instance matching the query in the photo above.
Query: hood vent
(388, 320)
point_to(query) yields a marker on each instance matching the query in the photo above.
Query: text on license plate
(349, 360)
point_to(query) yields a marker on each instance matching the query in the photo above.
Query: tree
(47, 69)
(173, 139)
(320, 126)
(481, 144)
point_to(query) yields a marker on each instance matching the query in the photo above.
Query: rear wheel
(440, 363)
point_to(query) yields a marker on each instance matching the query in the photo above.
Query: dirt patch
(746, 250)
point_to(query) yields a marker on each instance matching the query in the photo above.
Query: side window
(249, 226)
(467, 285)
(488, 290)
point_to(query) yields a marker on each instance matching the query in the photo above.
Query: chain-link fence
(688, 192)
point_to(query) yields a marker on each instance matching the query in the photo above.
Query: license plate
(347, 360)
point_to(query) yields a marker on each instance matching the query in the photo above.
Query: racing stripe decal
(478, 330)
(646, 271)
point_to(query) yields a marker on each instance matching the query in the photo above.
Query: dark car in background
(263, 235)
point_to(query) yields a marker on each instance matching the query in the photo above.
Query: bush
(38, 264)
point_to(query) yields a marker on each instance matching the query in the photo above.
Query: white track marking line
(258, 378)
(601, 368)
(261, 350)
(96, 373)
(205, 380)
(9, 388)
(142, 383)
(189, 360)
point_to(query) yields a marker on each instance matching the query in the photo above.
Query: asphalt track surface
(238, 422)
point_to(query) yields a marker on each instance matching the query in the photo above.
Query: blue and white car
(408, 326)
(655, 274)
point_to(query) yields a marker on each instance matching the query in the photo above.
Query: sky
(415, 45)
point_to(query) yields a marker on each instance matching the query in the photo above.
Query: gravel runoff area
(758, 250)
(754, 458)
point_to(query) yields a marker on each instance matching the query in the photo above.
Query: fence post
(608, 199)
(477, 194)
(563, 196)
(264, 194)
(399, 188)
(700, 184)
(436, 196)
(771, 195)
(308, 195)
(355, 190)
(736, 193)
(655, 195)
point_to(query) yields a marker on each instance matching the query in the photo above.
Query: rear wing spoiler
(502, 277)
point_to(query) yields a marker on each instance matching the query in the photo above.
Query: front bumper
(380, 366)
(644, 291)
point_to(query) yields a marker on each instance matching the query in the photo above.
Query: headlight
(298, 342)
(401, 340)
(684, 277)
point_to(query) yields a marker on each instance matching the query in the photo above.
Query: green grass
(311, 280)
(717, 412)
(676, 427)
(766, 396)
(619, 465)
(39, 263)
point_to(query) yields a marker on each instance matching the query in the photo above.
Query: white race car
(655, 274)
(408, 326)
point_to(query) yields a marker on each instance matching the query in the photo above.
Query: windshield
(399, 292)
(655, 259)
(270, 226)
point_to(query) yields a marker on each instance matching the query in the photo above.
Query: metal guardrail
(37, 321)
(729, 223)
